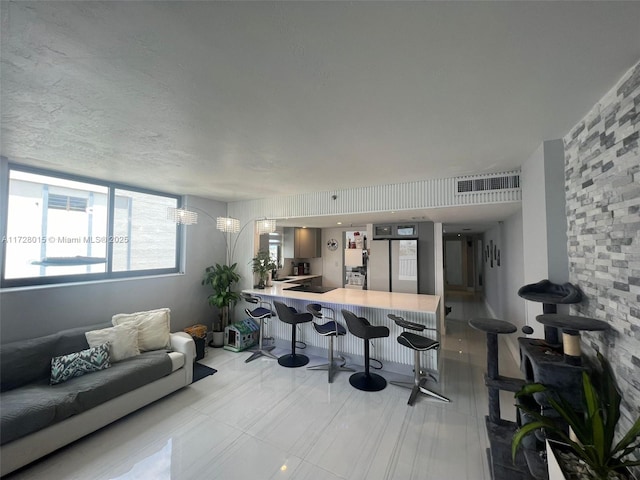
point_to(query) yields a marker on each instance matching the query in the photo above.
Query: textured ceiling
(238, 100)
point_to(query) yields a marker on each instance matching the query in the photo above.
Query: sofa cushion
(122, 340)
(153, 327)
(27, 361)
(77, 364)
(38, 405)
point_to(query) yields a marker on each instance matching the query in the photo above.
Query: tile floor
(263, 421)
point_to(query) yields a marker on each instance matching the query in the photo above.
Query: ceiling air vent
(489, 183)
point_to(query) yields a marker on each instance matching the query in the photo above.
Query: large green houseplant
(593, 427)
(221, 278)
(262, 264)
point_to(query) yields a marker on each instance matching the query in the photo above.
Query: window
(62, 229)
(141, 219)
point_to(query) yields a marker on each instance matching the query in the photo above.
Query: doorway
(453, 264)
(462, 264)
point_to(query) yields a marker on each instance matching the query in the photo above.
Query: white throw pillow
(153, 328)
(123, 341)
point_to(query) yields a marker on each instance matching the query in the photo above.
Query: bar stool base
(420, 387)
(293, 360)
(263, 352)
(371, 382)
(331, 368)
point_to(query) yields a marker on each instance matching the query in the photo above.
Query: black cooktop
(310, 289)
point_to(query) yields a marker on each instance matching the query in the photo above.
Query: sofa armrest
(183, 343)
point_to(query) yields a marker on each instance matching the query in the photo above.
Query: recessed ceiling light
(339, 223)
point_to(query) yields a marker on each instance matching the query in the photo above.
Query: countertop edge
(392, 301)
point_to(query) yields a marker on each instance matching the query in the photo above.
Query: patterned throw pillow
(78, 363)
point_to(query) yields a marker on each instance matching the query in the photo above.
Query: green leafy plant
(594, 426)
(262, 264)
(222, 278)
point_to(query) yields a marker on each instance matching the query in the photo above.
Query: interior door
(404, 266)
(453, 263)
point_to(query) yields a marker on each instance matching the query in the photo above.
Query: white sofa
(25, 449)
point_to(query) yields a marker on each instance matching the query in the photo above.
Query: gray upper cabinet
(302, 242)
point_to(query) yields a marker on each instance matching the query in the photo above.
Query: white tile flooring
(263, 421)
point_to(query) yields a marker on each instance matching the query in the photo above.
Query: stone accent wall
(602, 168)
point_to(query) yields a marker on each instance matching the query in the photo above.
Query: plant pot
(557, 467)
(555, 472)
(218, 340)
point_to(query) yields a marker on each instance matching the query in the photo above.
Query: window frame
(109, 274)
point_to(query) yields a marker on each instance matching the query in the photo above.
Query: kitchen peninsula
(370, 304)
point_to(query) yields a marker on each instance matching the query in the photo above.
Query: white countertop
(409, 302)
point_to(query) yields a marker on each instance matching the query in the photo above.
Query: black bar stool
(259, 314)
(287, 315)
(329, 329)
(418, 344)
(361, 328)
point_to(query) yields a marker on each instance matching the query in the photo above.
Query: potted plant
(593, 427)
(221, 278)
(262, 264)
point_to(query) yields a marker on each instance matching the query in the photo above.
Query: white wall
(503, 282)
(333, 261)
(512, 262)
(554, 181)
(494, 283)
(534, 240)
(544, 222)
(36, 311)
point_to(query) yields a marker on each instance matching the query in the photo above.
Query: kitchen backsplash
(315, 265)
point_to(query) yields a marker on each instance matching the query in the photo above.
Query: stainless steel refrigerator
(393, 266)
